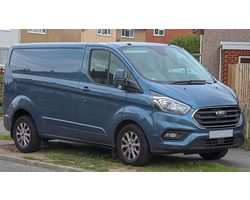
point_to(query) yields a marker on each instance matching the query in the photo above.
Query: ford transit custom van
(137, 99)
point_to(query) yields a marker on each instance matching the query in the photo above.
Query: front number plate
(221, 134)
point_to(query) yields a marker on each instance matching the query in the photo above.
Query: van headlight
(169, 105)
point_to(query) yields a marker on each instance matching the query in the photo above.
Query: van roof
(82, 44)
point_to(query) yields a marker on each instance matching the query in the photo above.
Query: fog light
(170, 135)
(174, 135)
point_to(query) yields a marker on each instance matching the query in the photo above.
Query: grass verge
(5, 137)
(96, 159)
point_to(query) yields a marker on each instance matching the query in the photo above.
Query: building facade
(82, 35)
(8, 37)
(113, 35)
(221, 47)
(166, 35)
(50, 35)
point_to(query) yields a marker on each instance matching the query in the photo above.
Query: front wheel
(214, 155)
(132, 146)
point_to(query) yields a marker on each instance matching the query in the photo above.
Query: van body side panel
(50, 79)
(8, 93)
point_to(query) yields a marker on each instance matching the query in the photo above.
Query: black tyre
(214, 155)
(25, 135)
(132, 146)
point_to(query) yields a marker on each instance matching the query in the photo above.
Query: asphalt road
(6, 166)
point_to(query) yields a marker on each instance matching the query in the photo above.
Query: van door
(100, 104)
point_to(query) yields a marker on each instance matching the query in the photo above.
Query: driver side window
(103, 65)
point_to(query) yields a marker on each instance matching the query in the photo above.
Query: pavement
(16, 164)
(7, 166)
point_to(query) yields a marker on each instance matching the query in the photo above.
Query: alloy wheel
(130, 146)
(23, 134)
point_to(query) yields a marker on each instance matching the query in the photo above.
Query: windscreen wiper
(190, 82)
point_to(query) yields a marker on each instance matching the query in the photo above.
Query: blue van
(138, 99)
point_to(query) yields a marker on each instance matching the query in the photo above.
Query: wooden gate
(239, 80)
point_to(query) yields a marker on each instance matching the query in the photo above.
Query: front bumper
(200, 144)
(197, 141)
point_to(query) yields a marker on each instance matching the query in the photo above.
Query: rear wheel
(132, 146)
(214, 155)
(25, 135)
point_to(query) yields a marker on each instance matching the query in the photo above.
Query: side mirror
(121, 81)
(119, 77)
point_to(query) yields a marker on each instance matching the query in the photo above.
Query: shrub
(190, 42)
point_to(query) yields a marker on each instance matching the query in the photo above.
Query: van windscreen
(166, 64)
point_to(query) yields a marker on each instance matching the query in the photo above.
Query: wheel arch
(123, 124)
(21, 105)
(18, 113)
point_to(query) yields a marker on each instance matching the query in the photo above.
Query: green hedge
(190, 42)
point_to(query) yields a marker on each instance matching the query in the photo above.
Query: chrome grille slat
(207, 118)
(212, 117)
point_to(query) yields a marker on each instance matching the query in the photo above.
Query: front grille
(206, 117)
(220, 142)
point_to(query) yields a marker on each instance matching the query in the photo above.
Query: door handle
(85, 88)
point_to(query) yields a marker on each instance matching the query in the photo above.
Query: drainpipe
(200, 47)
(201, 43)
(220, 64)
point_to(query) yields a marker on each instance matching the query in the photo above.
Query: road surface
(6, 166)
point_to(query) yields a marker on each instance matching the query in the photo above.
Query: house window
(244, 59)
(127, 33)
(158, 32)
(3, 56)
(104, 32)
(37, 31)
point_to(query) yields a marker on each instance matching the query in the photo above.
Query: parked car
(138, 99)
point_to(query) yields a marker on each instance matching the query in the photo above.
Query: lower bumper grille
(218, 142)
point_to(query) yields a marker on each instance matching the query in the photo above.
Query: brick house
(166, 35)
(233, 53)
(221, 47)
